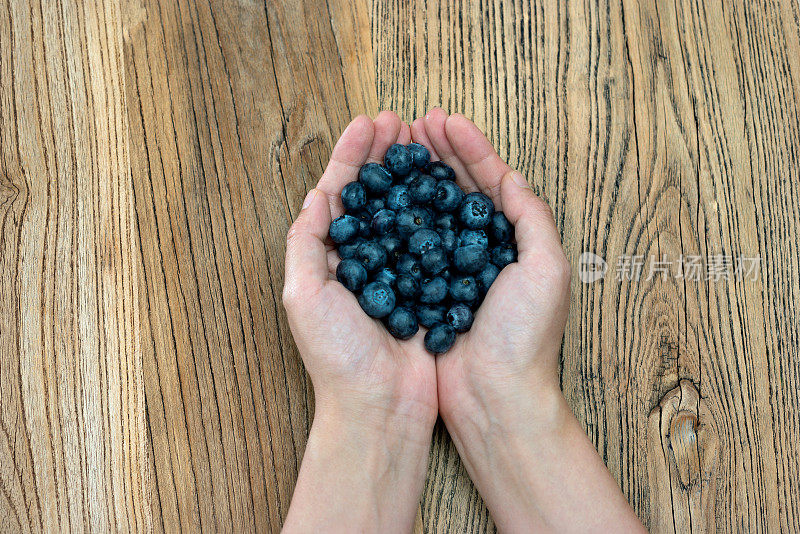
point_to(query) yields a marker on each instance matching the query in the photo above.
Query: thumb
(306, 256)
(534, 227)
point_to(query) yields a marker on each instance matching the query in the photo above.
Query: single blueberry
(423, 240)
(372, 255)
(376, 179)
(422, 189)
(463, 288)
(387, 276)
(393, 245)
(473, 237)
(429, 315)
(486, 277)
(407, 286)
(349, 250)
(354, 196)
(398, 160)
(419, 154)
(470, 259)
(398, 198)
(449, 241)
(476, 211)
(500, 229)
(402, 323)
(440, 338)
(433, 291)
(460, 317)
(408, 265)
(412, 219)
(364, 229)
(374, 205)
(384, 222)
(440, 170)
(503, 254)
(343, 229)
(434, 261)
(351, 274)
(377, 299)
(410, 177)
(445, 221)
(448, 196)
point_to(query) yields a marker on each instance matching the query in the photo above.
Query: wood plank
(72, 440)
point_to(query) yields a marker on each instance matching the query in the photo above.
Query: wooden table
(153, 155)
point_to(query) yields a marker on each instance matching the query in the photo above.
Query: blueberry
(407, 286)
(500, 229)
(387, 276)
(349, 250)
(343, 229)
(354, 196)
(423, 240)
(376, 179)
(398, 198)
(377, 299)
(374, 205)
(504, 254)
(393, 245)
(364, 228)
(476, 211)
(410, 177)
(440, 170)
(402, 323)
(445, 221)
(384, 222)
(446, 275)
(486, 277)
(473, 237)
(412, 219)
(434, 261)
(449, 241)
(448, 196)
(407, 265)
(464, 289)
(460, 317)
(440, 338)
(429, 315)
(470, 259)
(351, 274)
(422, 189)
(434, 291)
(398, 160)
(419, 154)
(372, 256)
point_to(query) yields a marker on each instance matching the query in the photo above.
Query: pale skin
(497, 389)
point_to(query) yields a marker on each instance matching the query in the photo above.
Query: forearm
(359, 474)
(537, 470)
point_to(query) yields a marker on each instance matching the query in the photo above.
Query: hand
(375, 396)
(498, 386)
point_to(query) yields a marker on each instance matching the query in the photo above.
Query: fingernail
(309, 198)
(520, 180)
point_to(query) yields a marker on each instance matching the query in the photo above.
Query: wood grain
(155, 153)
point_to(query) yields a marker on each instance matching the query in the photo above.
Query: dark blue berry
(354, 196)
(422, 189)
(384, 222)
(440, 170)
(429, 315)
(410, 177)
(412, 219)
(449, 241)
(464, 289)
(448, 196)
(408, 265)
(470, 259)
(433, 291)
(476, 211)
(372, 255)
(503, 254)
(351, 274)
(423, 240)
(460, 317)
(374, 205)
(500, 229)
(398, 198)
(434, 261)
(402, 323)
(486, 277)
(343, 229)
(446, 275)
(473, 237)
(419, 155)
(364, 229)
(407, 286)
(376, 179)
(387, 276)
(377, 299)
(440, 338)
(398, 160)
(445, 221)
(393, 244)
(349, 250)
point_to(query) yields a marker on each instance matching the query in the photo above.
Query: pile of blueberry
(416, 249)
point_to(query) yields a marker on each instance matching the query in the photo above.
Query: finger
(478, 156)
(347, 157)
(434, 127)
(387, 129)
(419, 135)
(534, 227)
(333, 261)
(306, 257)
(405, 134)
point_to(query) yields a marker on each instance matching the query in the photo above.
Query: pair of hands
(377, 398)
